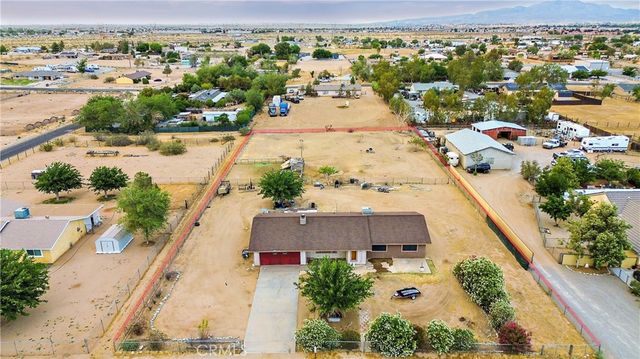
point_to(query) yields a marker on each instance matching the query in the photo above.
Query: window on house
(34, 252)
(409, 247)
(378, 248)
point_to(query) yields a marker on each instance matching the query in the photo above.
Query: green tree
(282, 50)
(167, 70)
(55, 48)
(580, 75)
(392, 336)
(556, 208)
(82, 65)
(515, 65)
(3, 49)
(636, 92)
(477, 158)
(23, 284)
(255, 99)
(327, 171)
(530, 170)
(387, 86)
(270, 84)
(260, 49)
(123, 46)
(236, 96)
(579, 204)
(602, 233)
(59, 177)
(101, 113)
(440, 336)
(321, 54)
(606, 91)
(500, 313)
(482, 280)
(155, 47)
(463, 339)
(630, 71)
(598, 73)
(558, 179)
(105, 179)
(611, 170)
(333, 287)
(145, 206)
(281, 186)
(584, 171)
(317, 335)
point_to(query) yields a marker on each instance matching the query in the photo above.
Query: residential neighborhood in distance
(319, 178)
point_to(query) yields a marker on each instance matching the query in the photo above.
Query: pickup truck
(553, 143)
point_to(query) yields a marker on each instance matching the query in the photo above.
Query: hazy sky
(16, 12)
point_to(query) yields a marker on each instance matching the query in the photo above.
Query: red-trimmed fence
(523, 251)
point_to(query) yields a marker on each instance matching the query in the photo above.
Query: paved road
(272, 322)
(36, 141)
(604, 303)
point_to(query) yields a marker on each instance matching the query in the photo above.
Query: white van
(605, 144)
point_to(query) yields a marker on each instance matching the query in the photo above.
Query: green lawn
(16, 82)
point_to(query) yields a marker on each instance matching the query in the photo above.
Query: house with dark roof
(296, 238)
(138, 75)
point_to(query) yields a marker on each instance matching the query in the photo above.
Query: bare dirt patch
(318, 112)
(17, 112)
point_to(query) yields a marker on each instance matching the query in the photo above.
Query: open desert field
(190, 167)
(615, 115)
(17, 112)
(317, 112)
(344, 151)
(336, 67)
(224, 296)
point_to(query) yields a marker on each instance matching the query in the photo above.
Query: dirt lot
(318, 112)
(387, 164)
(224, 296)
(17, 112)
(186, 168)
(615, 115)
(336, 67)
(77, 299)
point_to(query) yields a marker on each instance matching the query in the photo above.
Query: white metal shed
(114, 240)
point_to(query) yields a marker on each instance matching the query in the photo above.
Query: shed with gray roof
(466, 142)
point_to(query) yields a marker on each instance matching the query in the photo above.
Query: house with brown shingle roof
(295, 238)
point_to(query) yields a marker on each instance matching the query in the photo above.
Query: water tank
(22, 213)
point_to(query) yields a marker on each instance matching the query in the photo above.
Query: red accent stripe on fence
(181, 238)
(332, 129)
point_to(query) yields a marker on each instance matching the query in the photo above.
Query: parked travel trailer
(453, 158)
(276, 100)
(571, 130)
(605, 144)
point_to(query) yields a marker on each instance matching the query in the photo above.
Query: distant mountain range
(549, 12)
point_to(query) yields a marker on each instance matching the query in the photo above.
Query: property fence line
(22, 185)
(219, 171)
(516, 243)
(625, 275)
(13, 159)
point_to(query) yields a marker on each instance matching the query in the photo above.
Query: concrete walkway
(273, 317)
(603, 302)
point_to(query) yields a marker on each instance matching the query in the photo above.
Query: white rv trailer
(572, 130)
(605, 144)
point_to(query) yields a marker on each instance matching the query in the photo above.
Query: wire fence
(146, 300)
(17, 157)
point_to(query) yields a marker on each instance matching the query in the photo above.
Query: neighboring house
(295, 238)
(47, 237)
(594, 64)
(466, 142)
(434, 56)
(28, 49)
(114, 240)
(214, 95)
(338, 89)
(627, 201)
(138, 76)
(422, 87)
(38, 75)
(68, 54)
(212, 116)
(509, 75)
(500, 129)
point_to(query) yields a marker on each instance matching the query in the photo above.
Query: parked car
(509, 146)
(411, 292)
(480, 168)
(553, 143)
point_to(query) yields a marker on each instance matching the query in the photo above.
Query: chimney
(367, 211)
(303, 219)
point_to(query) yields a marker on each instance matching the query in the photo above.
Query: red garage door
(279, 258)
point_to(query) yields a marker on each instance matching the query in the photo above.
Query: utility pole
(301, 147)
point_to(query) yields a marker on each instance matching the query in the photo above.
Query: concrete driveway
(272, 321)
